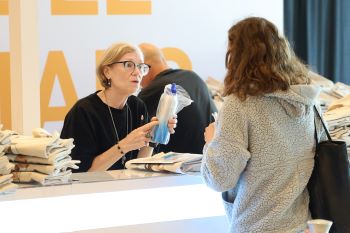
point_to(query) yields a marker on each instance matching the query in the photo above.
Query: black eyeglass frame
(135, 65)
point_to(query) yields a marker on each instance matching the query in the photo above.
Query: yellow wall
(5, 90)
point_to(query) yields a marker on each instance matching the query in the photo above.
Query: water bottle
(166, 109)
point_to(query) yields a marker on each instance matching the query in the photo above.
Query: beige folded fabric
(341, 89)
(6, 184)
(5, 179)
(7, 188)
(5, 170)
(40, 133)
(43, 179)
(52, 159)
(345, 101)
(5, 166)
(6, 136)
(62, 166)
(39, 147)
(337, 113)
(3, 160)
(184, 163)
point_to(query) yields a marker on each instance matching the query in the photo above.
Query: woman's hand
(172, 122)
(209, 133)
(138, 138)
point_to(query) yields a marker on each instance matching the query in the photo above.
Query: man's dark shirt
(192, 120)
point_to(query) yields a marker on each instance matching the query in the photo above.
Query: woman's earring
(109, 82)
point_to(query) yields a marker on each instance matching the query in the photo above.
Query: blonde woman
(112, 126)
(260, 152)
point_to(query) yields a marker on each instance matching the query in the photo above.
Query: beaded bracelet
(120, 149)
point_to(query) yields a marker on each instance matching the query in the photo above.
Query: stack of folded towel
(333, 93)
(184, 163)
(216, 88)
(6, 167)
(338, 120)
(5, 137)
(43, 157)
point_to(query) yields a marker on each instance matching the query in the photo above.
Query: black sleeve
(77, 125)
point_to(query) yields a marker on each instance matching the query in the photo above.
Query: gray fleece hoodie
(261, 157)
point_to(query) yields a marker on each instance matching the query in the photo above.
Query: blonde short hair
(113, 54)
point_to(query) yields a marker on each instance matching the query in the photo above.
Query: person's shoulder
(232, 101)
(189, 73)
(86, 103)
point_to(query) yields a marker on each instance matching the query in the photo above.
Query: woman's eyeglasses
(130, 66)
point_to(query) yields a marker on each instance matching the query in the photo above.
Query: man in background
(193, 119)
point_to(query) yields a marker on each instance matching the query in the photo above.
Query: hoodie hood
(298, 100)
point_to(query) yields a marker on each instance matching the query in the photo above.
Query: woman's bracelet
(120, 149)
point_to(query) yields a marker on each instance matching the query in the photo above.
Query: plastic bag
(172, 101)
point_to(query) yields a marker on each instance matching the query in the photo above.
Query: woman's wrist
(119, 149)
(122, 147)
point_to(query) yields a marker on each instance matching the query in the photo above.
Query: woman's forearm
(105, 160)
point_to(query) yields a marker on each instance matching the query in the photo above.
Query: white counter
(117, 201)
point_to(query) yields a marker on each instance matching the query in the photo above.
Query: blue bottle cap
(173, 88)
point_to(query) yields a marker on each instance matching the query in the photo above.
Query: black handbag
(329, 185)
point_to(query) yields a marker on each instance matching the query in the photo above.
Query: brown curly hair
(259, 60)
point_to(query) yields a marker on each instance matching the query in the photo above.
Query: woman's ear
(106, 72)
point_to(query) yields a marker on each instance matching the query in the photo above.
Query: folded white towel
(185, 163)
(62, 166)
(338, 113)
(52, 159)
(6, 184)
(7, 169)
(41, 133)
(345, 101)
(43, 179)
(39, 147)
(5, 166)
(3, 160)
(5, 179)
(341, 89)
(6, 136)
(8, 188)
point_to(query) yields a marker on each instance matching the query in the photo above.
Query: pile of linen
(338, 120)
(43, 158)
(330, 92)
(215, 88)
(335, 103)
(183, 163)
(6, 167)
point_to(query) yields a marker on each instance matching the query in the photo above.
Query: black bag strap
(315, 134)
(323, 124)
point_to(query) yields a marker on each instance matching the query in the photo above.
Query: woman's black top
(89, 123)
